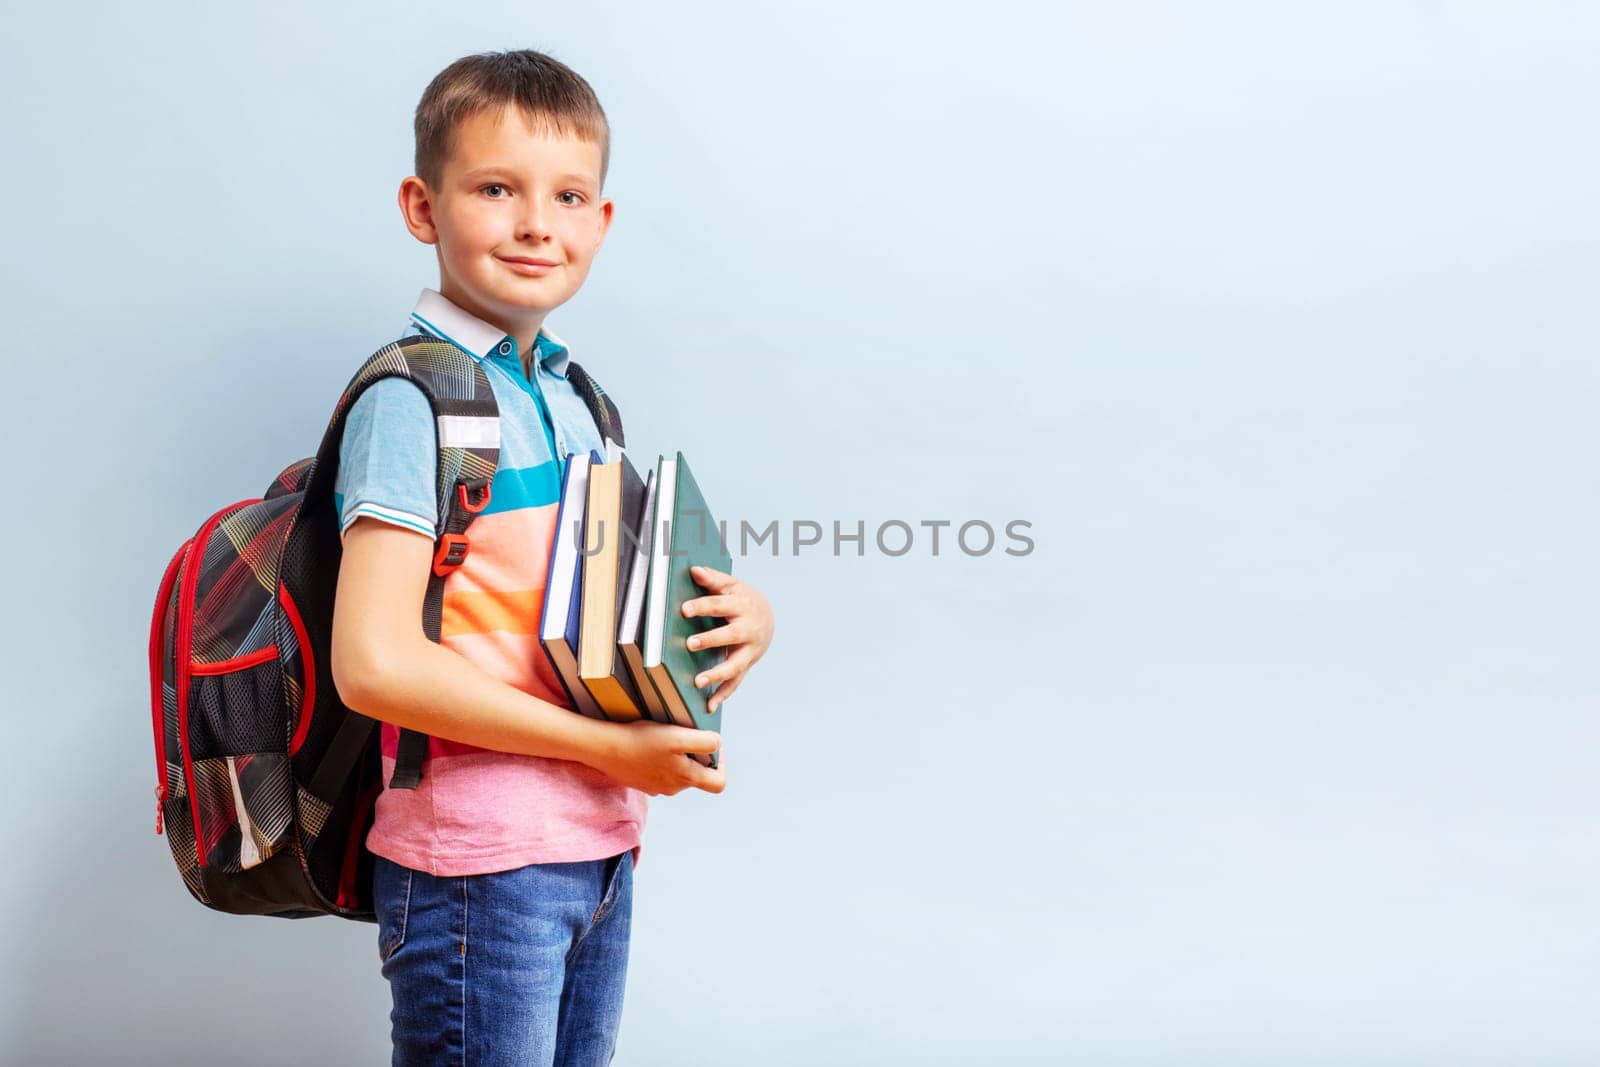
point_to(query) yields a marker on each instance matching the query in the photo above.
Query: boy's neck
(524, 331)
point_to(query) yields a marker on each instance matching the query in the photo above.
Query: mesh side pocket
(238, 713)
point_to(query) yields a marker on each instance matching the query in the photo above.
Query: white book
(655, 623)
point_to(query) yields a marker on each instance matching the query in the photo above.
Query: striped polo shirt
(477, 810)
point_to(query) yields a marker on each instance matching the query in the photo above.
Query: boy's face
(511, 193)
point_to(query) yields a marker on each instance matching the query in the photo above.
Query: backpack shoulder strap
(467, 419)
(467, 425)
(607, 419)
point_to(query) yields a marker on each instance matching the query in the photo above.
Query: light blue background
(1278, 322)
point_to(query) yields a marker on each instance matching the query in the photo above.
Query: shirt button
(505, 348)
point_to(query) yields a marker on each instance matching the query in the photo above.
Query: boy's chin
(520, 289)
(528, 303)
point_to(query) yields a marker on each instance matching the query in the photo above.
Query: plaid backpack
(266, 781)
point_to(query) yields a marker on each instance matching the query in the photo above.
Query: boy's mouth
(529, 265)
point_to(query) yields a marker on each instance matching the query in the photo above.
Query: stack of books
(612, 622)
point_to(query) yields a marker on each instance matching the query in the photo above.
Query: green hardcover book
(689, 537)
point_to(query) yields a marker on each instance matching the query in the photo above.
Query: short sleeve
(388, 459)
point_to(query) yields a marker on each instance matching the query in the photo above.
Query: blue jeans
(518, 967)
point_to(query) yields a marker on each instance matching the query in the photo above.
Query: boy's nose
(532, 224)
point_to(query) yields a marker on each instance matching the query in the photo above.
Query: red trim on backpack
(191, 579)
(308, 669)
(237, 663)
(163, 592)
(352, 845)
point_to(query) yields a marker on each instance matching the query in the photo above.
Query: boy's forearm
(430, 689)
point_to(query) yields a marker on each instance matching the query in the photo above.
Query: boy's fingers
(723, 692)
(702, 741)
(720, 606)
(734, 665)
(711, 578)
(716, 636)
(713, 779)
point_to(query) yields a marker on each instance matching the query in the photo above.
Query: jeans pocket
(613, 885)
(391, 892)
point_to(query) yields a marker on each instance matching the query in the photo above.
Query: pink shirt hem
(485, 812)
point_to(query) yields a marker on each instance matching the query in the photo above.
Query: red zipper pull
(161, 795)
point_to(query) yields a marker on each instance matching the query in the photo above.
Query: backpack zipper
(308, 668)
(163, 592)
(185, 641)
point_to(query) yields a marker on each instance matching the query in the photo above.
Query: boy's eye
(579, 197)
(493, 186)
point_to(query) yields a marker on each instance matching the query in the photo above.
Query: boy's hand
(653, 757)
(748, 631)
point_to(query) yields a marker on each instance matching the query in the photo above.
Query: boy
(503, 885)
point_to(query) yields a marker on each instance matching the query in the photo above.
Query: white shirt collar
(437, 314)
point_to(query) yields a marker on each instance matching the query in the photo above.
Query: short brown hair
(546, 90)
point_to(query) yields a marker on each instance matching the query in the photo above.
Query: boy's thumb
(704, 741)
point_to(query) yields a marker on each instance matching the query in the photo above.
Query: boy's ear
(416, 207)
(607, 209)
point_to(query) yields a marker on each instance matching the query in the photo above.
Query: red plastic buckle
(466, 500)
(452, 552)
